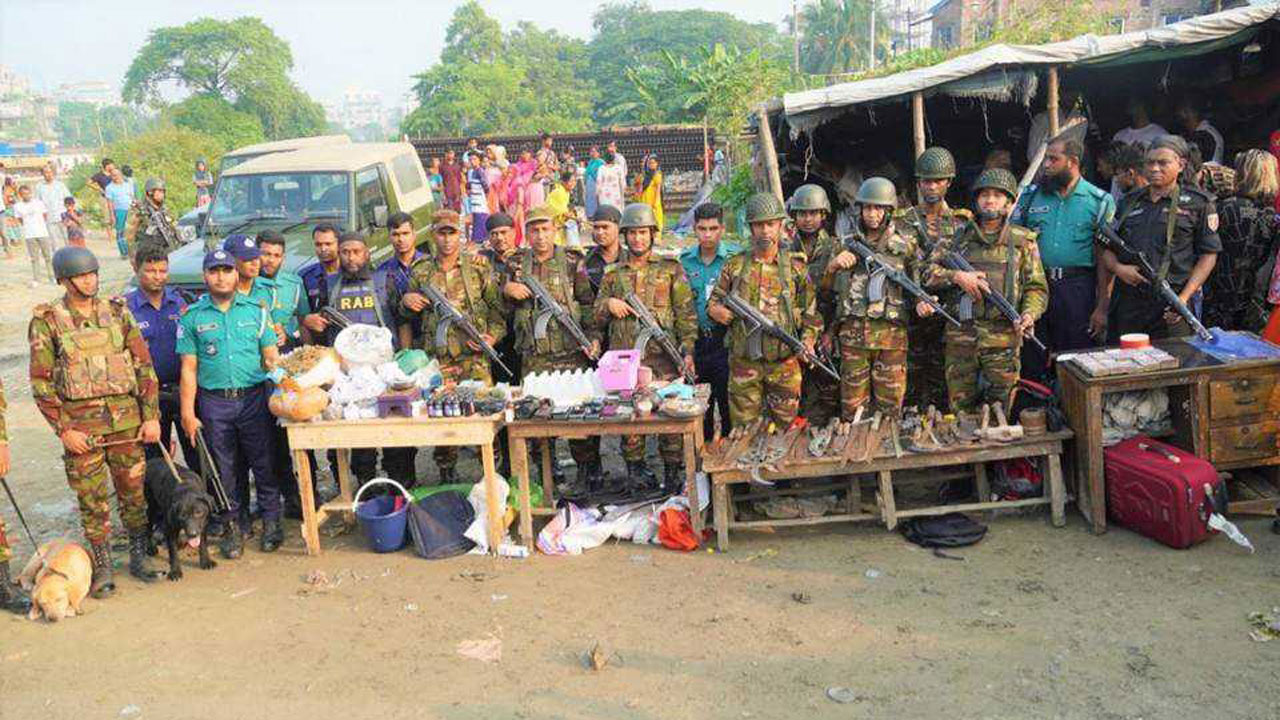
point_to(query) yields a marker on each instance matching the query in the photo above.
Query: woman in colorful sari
(650, 190)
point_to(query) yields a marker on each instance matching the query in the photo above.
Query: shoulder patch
(41, 310)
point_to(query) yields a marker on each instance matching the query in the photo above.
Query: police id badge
(211, 349)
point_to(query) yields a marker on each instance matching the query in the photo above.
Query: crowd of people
(42, 216)
(483, 181)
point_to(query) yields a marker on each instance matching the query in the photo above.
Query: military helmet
(935, 163)
(71, 261)
(638, 215)
(877, 191)
(764, 206)
(997, 179)
(152, 184)
(809, 197)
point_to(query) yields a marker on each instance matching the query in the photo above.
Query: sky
(366, 44)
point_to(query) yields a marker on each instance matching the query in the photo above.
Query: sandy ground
(1035, 622)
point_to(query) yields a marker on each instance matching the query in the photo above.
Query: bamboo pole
(1053, 102)
(917, 120)
(765, 138)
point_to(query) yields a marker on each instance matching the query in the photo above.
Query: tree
(834, 36)
(81, 124)
(630, 35)
(167, 152)
(524, 81)
(240, 61)
(213, 116)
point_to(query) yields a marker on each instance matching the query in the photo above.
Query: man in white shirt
(36, 233)
(1196, 129)
(1141, 129)
(52, 192)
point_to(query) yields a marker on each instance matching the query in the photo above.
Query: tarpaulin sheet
(1227, 346)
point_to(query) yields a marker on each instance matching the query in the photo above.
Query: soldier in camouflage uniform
(12, 598)
(987, 345)
(660, 284)
(930, 222)
(810, 207)
(92, 379)
(565, 278)
(466, 281)
(140, 230)
(871, 313)
(777, 283)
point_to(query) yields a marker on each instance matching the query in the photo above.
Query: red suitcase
(1162, 491)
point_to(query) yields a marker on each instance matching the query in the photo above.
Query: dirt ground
(1035, 622)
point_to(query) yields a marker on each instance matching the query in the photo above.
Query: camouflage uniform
(140, 232)
(926, 373)
(92, 373)
(820, 397)
(782, 291)
(873, 332)
(661, 285)
(987, 345)
(565, 277)
(469, 287)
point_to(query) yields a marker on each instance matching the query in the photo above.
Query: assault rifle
(157, 220)
(955, 261)
(335, 318)
(547, 308)
(1163, 289)
(758, 325)
(876, 266)
(221, 503)
(449, 315)
(653, 331)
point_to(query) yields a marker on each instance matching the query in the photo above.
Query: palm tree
(834, 35)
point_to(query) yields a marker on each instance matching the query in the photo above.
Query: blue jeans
(122, 245)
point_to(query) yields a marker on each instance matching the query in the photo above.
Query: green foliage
(240, 61)
(168, 152)
(217, 118)
(525, 81)
(718, 83)
(78, 124)
(733, 194)
(630, 36)
(834, 36)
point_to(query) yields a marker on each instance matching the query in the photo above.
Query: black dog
(178, 506)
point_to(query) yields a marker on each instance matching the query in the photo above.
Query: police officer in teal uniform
(249, 280)
(228, 346)
(288, 306)
(702, 265)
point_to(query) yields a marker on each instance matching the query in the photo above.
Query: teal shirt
(287, 301)
(263, 292)
(703, 276)
(228, 345)
(1066, 226)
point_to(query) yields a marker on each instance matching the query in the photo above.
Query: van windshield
(287, 197)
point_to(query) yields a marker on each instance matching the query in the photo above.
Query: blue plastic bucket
(383, 524)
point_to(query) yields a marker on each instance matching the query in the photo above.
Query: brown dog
(60, 573)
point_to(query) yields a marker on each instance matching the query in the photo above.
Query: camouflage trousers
(585, 452)
(926, 370)
(760, 386)
(471, 367)
(88, 474)
(5, 551)
(670, 447)
(819, 396)
(869, 372)
(967, 363)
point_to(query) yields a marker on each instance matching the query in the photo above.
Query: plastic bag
(428, 377)
(361, 384)
(363, 345)
(411, 361)
(391, 374)
(478, 531)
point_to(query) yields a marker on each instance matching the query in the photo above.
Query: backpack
(943, 531)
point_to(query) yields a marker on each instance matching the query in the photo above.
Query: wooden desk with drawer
(1225, 412)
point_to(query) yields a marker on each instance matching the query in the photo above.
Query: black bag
(943, 531)
(437, 523)
(1031, 394)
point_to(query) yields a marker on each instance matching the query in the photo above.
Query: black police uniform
(1145, 226)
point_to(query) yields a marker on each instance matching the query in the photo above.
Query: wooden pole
(917, 120)
(770, 154)
(1053, 102)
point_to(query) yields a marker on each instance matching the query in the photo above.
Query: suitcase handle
(1159, 451)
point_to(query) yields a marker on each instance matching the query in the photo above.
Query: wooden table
(346, 435)
(520, 432)
(1225, 412)
(1048, 446)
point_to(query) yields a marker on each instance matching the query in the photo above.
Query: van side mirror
(380, 215)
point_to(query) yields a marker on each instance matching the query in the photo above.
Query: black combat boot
(595, 477)
(12, 598)
(448, 475)
(139, 560)
(641, 476)
(673, 478)
(232, 545)
(272, 535)
(104, 582)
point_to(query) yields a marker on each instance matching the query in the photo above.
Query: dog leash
(18, 511)
(168, 460)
